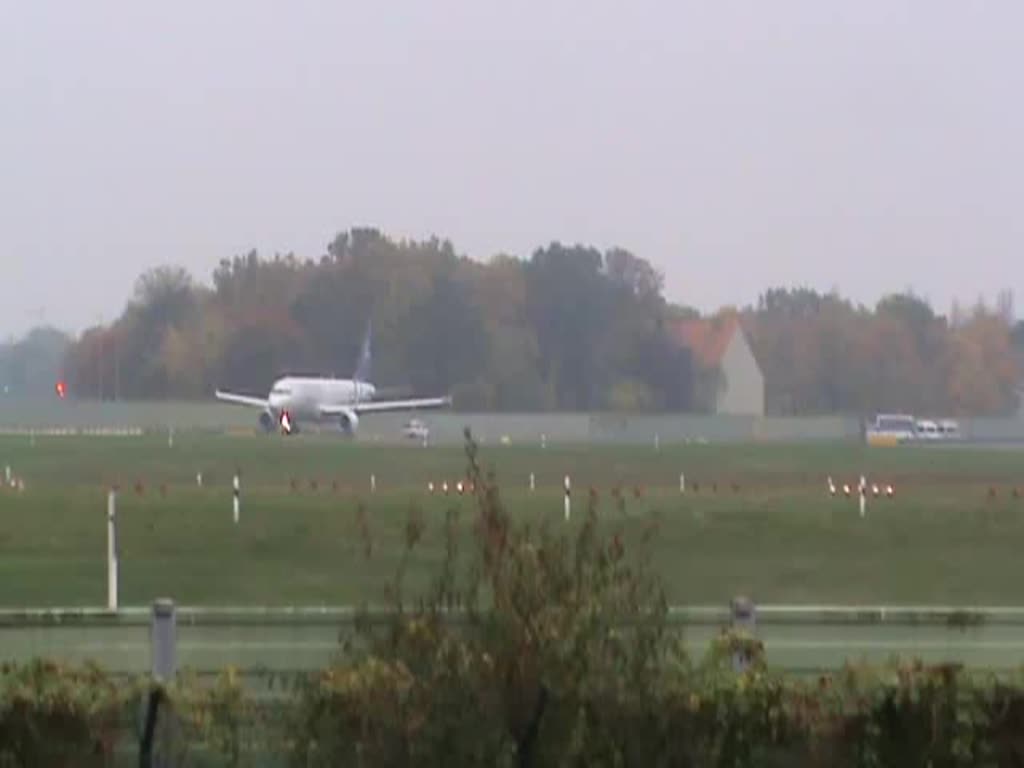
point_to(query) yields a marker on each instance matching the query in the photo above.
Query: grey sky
(868, 146)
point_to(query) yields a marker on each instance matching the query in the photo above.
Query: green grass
(776, 536)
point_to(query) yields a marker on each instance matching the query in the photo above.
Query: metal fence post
(163, 665)
(744, 619)
(163, 641)
(112, 581)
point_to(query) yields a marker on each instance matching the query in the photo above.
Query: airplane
(318, 399)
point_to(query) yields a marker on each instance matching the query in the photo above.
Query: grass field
(756, 519)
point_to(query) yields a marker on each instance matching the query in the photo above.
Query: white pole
(543, 440)
(112, 550)
(682, 483)
(7, 475)
(863, 496)
(657, 441)
(373, 483)
(199, 479)
(533, 484)
(568, 504)
(236, 501)
(170, 437)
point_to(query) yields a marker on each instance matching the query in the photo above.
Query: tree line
(568, 328)
(823, 354)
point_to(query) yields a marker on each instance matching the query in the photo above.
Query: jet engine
(267, 421)
(349, 422)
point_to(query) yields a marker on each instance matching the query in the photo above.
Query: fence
(799, 639)
(216, 724)
(447, 427)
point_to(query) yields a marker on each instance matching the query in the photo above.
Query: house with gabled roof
(722, 355)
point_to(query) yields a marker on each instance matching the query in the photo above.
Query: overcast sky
(868, 146)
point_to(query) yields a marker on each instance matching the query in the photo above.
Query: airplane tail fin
(363, 366)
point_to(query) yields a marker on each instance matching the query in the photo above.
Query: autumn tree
(925, 357)
(983, 376)
(1017, 340)
(515, 375)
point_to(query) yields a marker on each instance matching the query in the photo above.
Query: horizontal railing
(258, 640)
(706, 614)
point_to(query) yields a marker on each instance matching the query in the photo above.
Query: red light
(286, 423)
(62, 389)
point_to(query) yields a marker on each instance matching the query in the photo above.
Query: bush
(217, 720)
(54, 715)
(545, 627)
(383, 712)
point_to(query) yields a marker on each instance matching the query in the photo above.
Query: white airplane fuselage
(303, 398)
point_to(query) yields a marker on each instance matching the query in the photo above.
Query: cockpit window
(280, 391)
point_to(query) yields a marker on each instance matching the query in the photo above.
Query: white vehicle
(927, 430)
(296, 399)
(415, 429)
(949, 429)
(889, 428)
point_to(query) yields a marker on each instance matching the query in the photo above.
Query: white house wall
(743, 391)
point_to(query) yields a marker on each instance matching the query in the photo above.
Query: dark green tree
(30, 368)
(569, 305)
(446, 342)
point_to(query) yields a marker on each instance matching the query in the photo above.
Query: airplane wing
(230, 397)
(377, 406)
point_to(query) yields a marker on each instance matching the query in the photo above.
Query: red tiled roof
(708, 339)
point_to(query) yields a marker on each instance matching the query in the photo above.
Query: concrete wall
(993, 430)
(519, 428)
(744, 382)
(670, 428)
(791, 429)
(83, 414)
